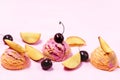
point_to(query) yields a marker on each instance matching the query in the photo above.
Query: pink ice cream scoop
(56, 51)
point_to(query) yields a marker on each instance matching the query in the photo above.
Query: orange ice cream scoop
(104, 57)
(13, 60)
(104, 61)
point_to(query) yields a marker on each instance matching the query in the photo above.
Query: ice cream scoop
(104, 57)
(13, 60)
(56, 51)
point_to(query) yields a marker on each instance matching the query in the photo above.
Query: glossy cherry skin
(58, 38)
(7, 36)
(46, 64)
(84, 55)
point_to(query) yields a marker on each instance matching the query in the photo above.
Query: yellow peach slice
(15, 46)
(72, 62)
(33, 53)
(75, 41)
(30, 37)
(104, 45)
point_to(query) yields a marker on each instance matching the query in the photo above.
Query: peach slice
(30, 37)
(75, 41)
(33, 53)
(104, 45)
(72, 62)
(15, 46)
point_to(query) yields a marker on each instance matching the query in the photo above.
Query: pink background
(85, 18)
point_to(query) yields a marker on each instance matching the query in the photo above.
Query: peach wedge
(75, 41)
(72, 62)
(104, 45)
(30, 37)
(15, 46)
(33, 53)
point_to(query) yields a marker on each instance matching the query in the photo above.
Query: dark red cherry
(84, 55)
(46, 64)
(58, 38)
(7, 36)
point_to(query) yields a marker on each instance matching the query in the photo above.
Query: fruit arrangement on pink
(56, 49)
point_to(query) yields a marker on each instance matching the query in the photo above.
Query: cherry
(84, 55)
(59, 36)
(46, 64)
(7, 36)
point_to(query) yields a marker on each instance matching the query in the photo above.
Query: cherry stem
(63, 26)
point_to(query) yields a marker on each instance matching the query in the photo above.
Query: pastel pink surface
(85, 18)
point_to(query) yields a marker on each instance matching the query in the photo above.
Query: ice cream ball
(12, 60)
(104, 61)
(104, 57)
(56, 51)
